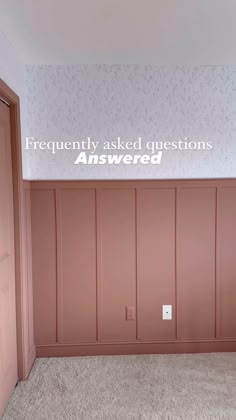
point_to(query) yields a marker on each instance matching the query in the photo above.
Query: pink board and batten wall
(102, 249)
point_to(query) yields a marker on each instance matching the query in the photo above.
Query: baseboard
(29, 363)
(164, 347)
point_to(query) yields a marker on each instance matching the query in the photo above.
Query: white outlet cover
(167, 312)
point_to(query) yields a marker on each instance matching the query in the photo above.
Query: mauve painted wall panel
(44, 265)
(226, 252)
(155, 262)
(116, 263)
(96, 231)
(76, 266)
(196, 208)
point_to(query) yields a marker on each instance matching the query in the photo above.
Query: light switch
(167, 312)
(130, 313)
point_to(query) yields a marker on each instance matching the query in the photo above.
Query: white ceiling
(121, 31)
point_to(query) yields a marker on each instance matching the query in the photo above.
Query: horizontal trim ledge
(131, 180)
(138, 184)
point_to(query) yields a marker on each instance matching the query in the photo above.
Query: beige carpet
(149, 387)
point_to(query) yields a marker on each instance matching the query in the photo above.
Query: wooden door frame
(13, 100)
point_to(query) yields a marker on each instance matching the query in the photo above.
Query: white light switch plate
(167, 312)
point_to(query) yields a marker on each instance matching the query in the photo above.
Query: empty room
(117, 210)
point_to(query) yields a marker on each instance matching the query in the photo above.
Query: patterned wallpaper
(12, 72)
(158, 103)
(11, 66)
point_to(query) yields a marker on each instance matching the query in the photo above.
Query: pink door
(8, 349)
